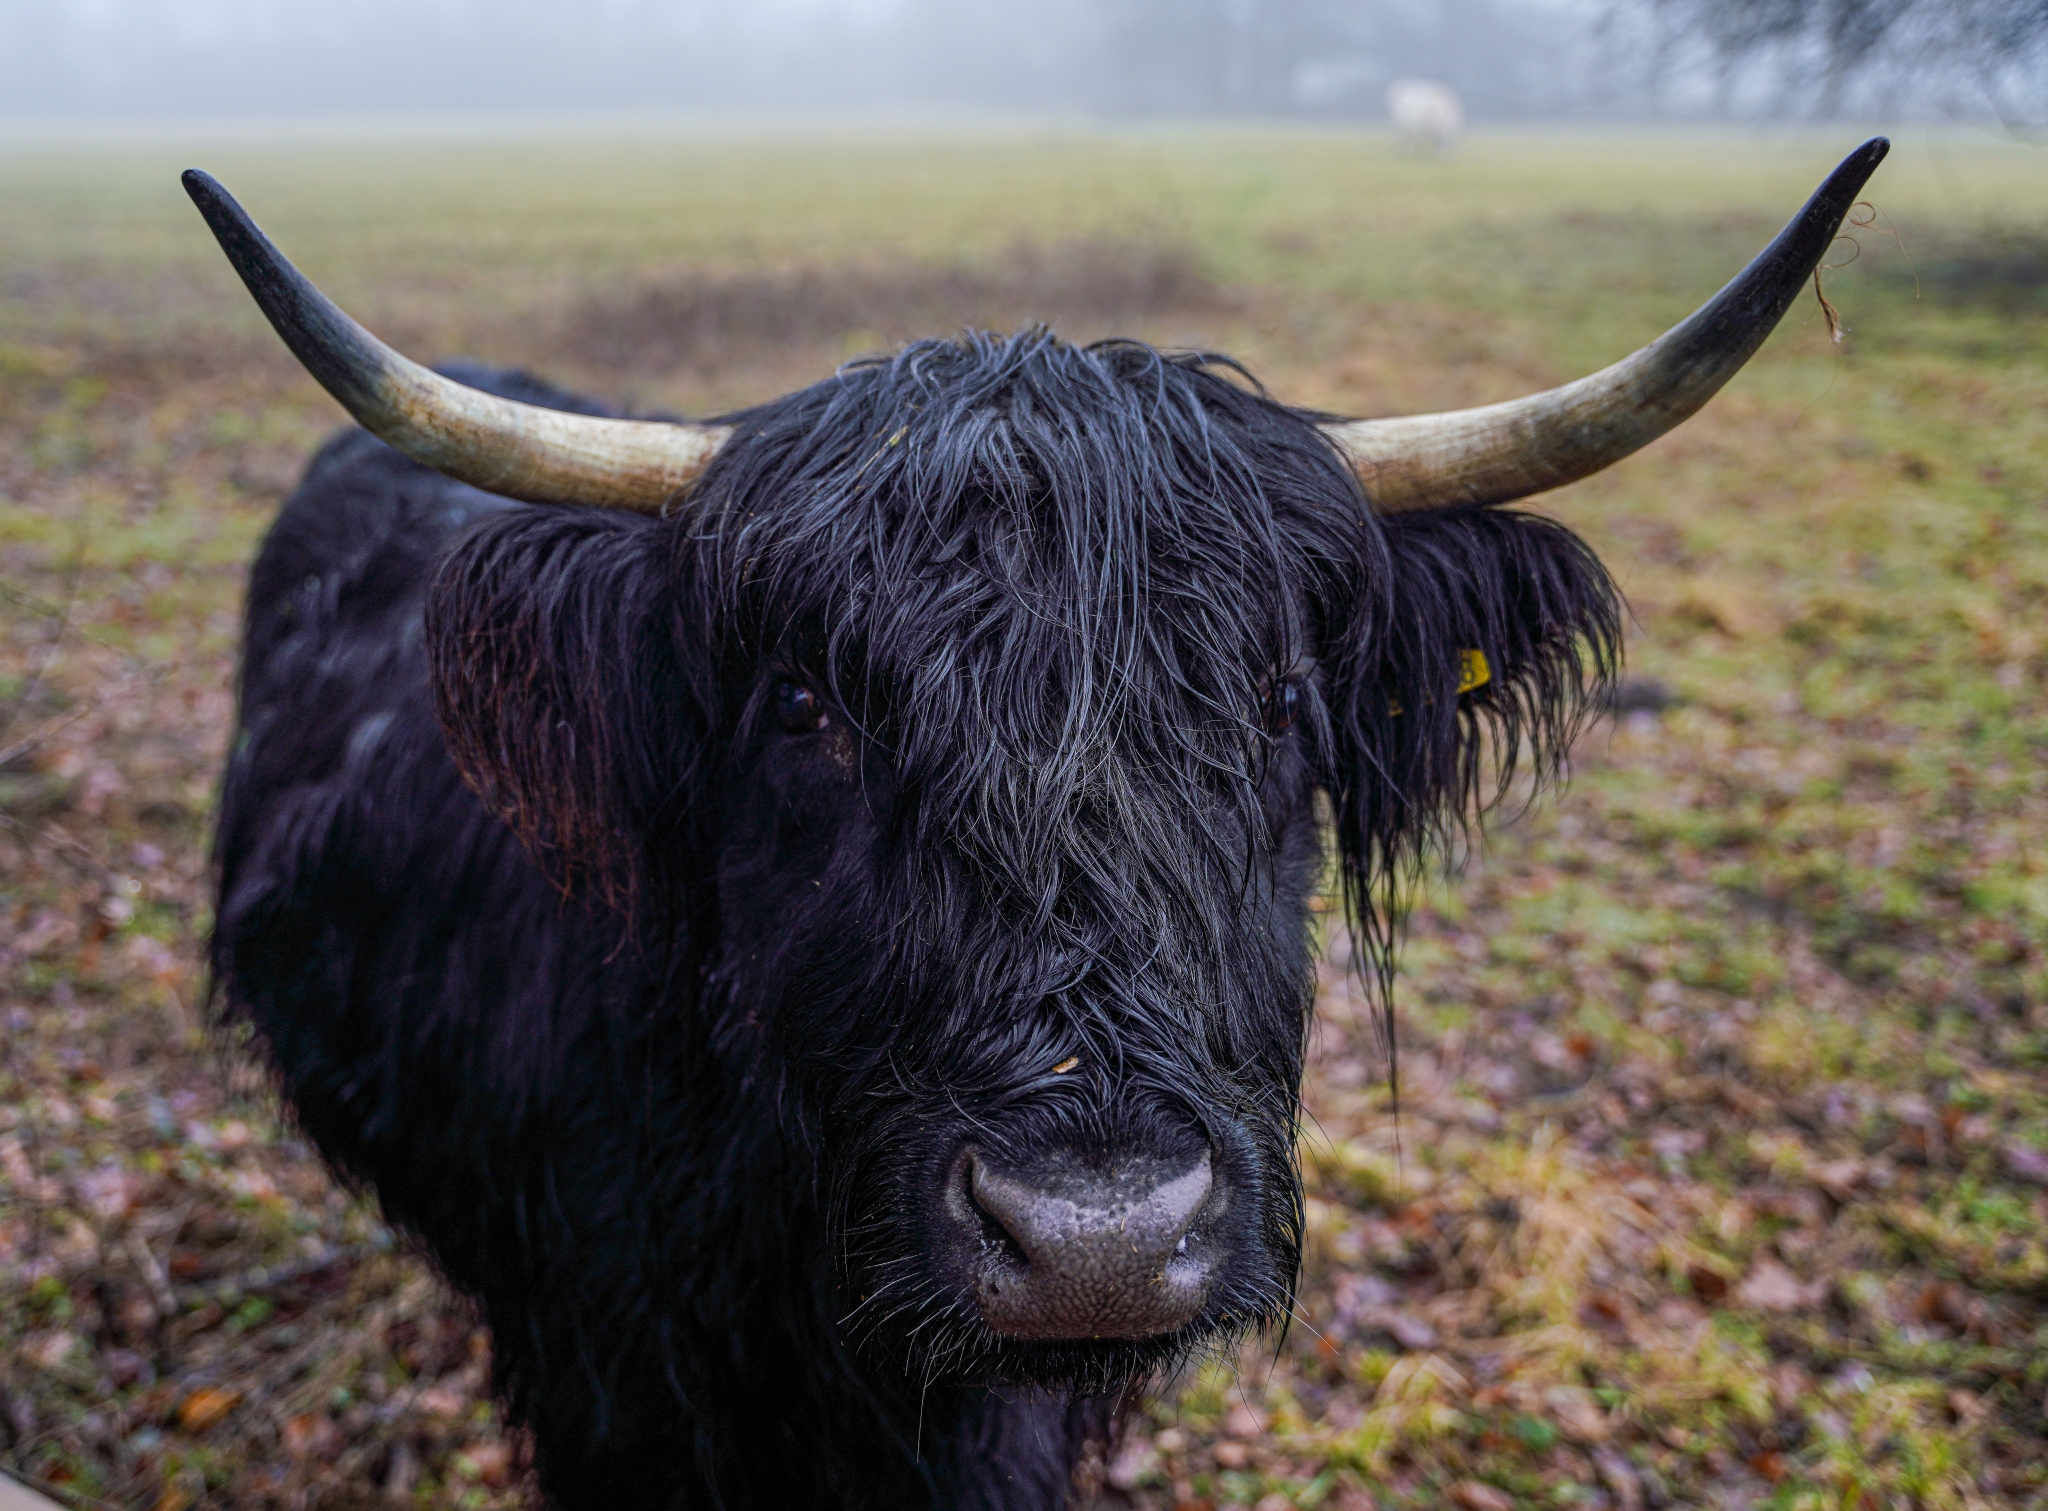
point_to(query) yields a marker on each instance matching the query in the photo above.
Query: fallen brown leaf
(442, 1401)
(1620, 1477)
(1245, 1421)
(207, 1407)
(1476, 1495)
(311, 1435)
(490, 1462)
(1840, 1178)
(1770, 1287)
(1709, 1285)
(2025, 1162)
(1577, 1413)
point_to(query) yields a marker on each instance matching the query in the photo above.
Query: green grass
(1718, 1175)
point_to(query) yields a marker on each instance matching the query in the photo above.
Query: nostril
(1007, 1206)
(995, 1232)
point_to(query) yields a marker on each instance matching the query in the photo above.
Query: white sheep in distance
(1427, 115)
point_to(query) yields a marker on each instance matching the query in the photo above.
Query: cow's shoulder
(365, 525)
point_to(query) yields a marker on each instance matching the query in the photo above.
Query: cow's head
(965, 717)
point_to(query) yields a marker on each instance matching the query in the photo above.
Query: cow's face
(975, 719)
(1013, 852)
(1015, 836)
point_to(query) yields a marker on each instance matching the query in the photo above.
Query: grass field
(1720, 1175)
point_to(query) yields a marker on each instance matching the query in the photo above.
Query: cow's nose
(1090, 1252)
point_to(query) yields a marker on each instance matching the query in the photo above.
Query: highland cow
(807, 917)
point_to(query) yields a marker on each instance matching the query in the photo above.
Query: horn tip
(1850, 175)
(1860, 164)
(213, 201)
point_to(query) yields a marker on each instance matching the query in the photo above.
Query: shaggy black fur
(664, 1043)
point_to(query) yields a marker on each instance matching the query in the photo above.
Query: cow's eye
(1281, 702)
(800, 710)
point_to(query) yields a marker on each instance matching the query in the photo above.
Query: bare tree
(1272, 57)
(1876, 52)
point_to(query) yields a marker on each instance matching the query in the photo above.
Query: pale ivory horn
(519, 450)
(1506, 451)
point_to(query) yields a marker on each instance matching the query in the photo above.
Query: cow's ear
(557, 676)
(1413, 758)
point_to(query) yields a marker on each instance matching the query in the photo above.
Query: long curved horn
(519, 450)
(1508, 451)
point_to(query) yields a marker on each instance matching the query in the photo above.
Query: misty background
(1100, 59)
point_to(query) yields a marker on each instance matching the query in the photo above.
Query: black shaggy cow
(819, 947)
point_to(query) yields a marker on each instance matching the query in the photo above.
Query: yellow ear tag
(1472, 672)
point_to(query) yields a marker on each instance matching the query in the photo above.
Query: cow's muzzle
(1067, 1248)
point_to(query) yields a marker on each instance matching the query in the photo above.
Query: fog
(1114, 57)
(1095, 59)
